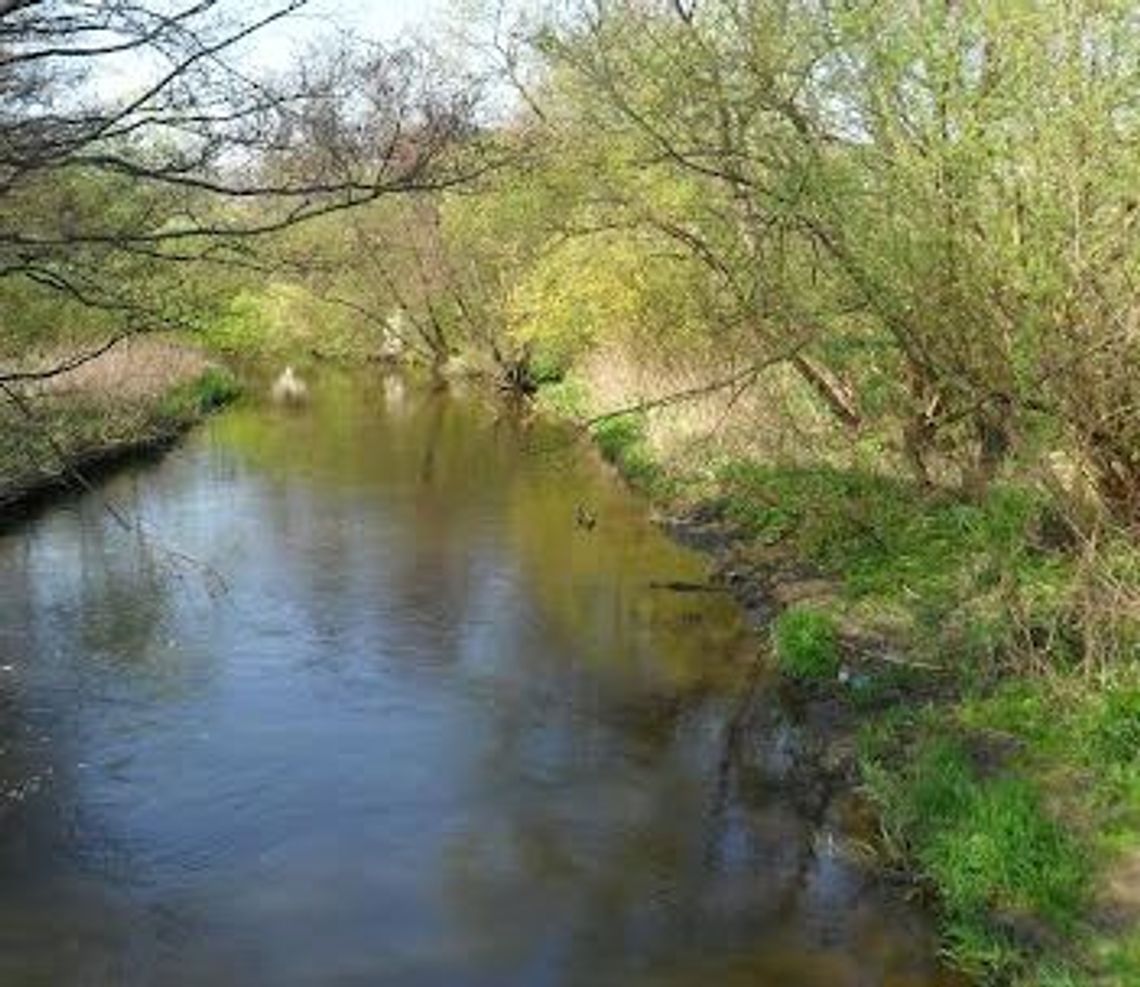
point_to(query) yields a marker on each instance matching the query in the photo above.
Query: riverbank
(971, 669)
(139, 396)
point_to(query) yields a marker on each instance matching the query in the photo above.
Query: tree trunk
(832, 391)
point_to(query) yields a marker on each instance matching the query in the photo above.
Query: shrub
(215, 388)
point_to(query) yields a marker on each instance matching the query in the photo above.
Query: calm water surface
(434, 733)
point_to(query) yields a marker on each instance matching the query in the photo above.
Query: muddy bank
(85, 468)
(817, 747)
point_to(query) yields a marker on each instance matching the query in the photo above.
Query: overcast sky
(273, 48)
(379, 19)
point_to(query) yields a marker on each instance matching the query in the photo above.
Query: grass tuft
(1011, 877)
(212, 389)
(806, 643)
(622, 441)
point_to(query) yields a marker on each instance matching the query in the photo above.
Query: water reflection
(437, 733)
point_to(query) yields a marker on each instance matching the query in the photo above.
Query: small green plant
(215, 389)
(806, 643)
(566, 398)
(622, 441)
(616, 437)
(547, 369)
(211, 390)
(1116, 736)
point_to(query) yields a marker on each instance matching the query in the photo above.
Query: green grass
(622, 441)
(949, 568)
(1011, 878)
(1115, 731)
(1014, 803)
(1010, 782)
(888, 537)
(806, 642)
(211, 390)
(566, 398)
(997, 849)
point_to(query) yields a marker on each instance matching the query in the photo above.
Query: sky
(382, 20)
(275, 47)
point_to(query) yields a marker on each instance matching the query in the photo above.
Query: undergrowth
(622, 441)
(984, 581)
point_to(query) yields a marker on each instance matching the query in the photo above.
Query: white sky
(273, 48)
(380, 20)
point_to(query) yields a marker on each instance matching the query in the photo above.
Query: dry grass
(139, 368)
(125, 398)
(773, 420)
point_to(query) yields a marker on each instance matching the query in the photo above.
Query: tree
(926, 209)
(199, 158)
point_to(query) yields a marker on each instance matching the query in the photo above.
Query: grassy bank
(140, 395)
(984, 655)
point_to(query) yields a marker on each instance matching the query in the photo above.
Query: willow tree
(701, 155)
(927, 209)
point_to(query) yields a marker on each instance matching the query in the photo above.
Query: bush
(213, 389)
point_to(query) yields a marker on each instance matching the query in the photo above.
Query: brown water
(435, 733)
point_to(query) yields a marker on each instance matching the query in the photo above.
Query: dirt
(1118, 904)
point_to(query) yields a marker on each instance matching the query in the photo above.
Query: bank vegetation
(856, 283)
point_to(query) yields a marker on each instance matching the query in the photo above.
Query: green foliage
(622, 441)
(617, 436)
(998, 859)
(1120, 958)
(217, 388)
(948, 563)
(243, 327)
(1116, 728)
(923, 214)
(806, 643)
(213, 389)
(1075, 728)
(963, 791)
(567, 398)
(999, 849)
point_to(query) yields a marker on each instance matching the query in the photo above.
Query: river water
(433, 732)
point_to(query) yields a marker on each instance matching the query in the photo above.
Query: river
(431, 731)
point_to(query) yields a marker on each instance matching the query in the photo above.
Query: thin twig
(20, 376)
(745, 376)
